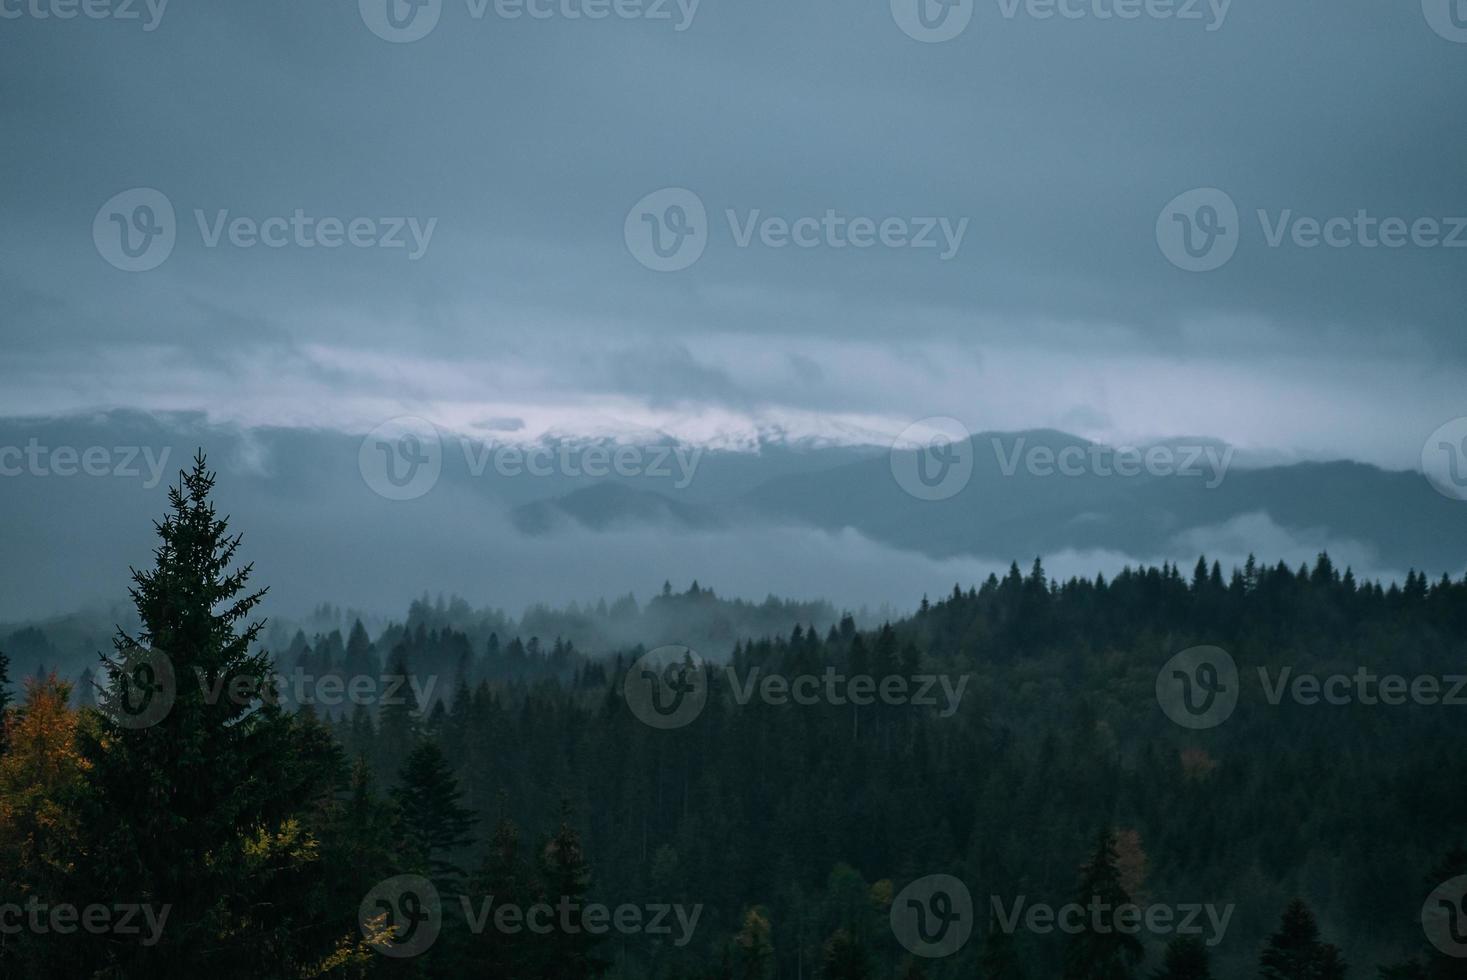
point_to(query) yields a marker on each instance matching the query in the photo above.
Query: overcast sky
(515, 152)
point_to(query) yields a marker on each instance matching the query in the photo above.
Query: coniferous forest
(1025, 802)
(733, 490)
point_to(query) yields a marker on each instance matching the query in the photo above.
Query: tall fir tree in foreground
(1296, 952)
(1100, 951)
(1186, 959)
(200, 781)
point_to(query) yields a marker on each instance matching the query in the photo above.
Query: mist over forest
(733, 490)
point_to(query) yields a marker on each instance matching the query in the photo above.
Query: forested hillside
(681, 817)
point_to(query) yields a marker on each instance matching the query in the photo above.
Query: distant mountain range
(315, 522)
(1008, 511)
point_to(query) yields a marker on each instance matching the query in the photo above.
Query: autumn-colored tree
(844, 958)
(42, 778)
(753, 949)
(42, 782)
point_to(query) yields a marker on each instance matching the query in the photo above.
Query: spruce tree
(999, 959)
(1186, 959)
(435, 824)
(844, 958)
(1102, 951)
(753, 948)
(565, 877)
(399, 721)
(1295, 951)
(5, 698)
(506, 878)
(197, 797)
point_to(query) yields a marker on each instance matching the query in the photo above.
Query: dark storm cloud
(527, 140)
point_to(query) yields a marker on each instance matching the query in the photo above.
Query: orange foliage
(40, 777)
(1197, 764)
(1131, 863)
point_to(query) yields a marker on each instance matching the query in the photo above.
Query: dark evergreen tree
(844, 958)
(1296, 952)
(434, 822)
(1186, 959)
(5, 697)
(565, 876)
(1100, 951)
(1000, 958)
(212, 780)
